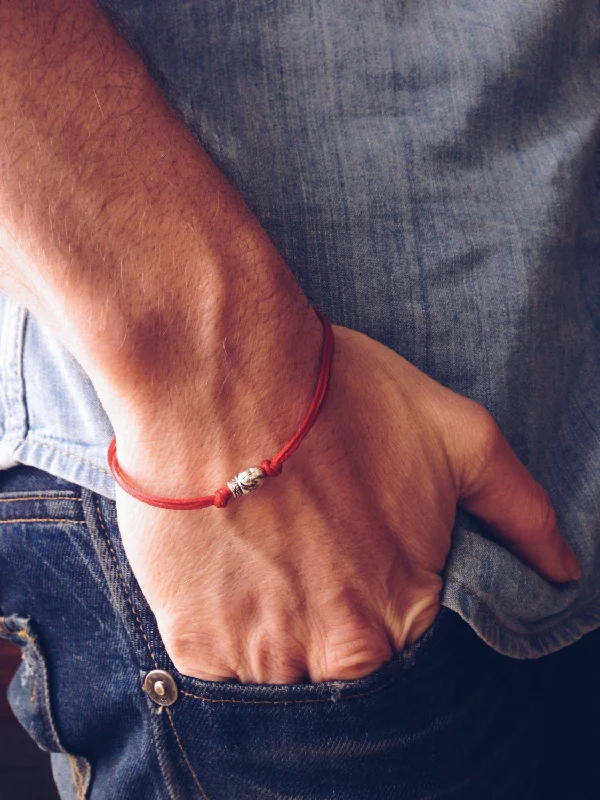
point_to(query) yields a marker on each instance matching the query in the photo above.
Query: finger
(405, 618)
(350, 650)
(517, 509)
(273, 657)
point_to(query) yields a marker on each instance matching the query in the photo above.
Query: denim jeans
(429, 171)
(448, 717)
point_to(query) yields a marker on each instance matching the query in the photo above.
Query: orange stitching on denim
(44, 519)
(76, 774)
(36, 443)
(78, 778)
(41, 497)
(54, 731)
(25, 635)
(114, 555)
(187, 761)
(73, 773)
(81, 789)
(124, 585)
(281, 702)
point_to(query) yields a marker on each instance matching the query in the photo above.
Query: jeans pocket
(229, 739)
(370, 737)
(30, 700)
(394, 670)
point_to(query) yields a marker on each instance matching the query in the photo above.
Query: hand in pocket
(326, 571)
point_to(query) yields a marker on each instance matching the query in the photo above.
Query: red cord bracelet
(251, 478)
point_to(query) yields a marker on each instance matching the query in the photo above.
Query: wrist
(189, 435)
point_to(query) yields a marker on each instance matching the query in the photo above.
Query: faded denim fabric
(430, 172)
(447, 717)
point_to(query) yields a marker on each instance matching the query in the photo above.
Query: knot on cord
(222, 496)
(251, 478)
(270, 469)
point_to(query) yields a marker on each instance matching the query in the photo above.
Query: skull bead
(246, 481)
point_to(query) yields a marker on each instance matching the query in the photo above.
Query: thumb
(497, 488)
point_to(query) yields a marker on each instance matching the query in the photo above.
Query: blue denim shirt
(430, 172)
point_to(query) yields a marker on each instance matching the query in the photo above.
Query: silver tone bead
(246, 481)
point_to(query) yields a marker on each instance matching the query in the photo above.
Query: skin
(120, 234)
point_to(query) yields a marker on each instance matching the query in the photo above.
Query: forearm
(118, 231)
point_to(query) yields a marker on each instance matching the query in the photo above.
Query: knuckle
(486, 433)
(274, 656)
(417, 615)
(355, 655)
(482, 440)
(193, 655)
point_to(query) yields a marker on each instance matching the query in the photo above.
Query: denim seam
(33, 440)
(44, 519)
(502, 624)
(133, 611)
(309, 700)
(12, 374)
(20, 377)
(40, 497)
(407, 666)
(123, 584)
(187, 761)
(78, 778)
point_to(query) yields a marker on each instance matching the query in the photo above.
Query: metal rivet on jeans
(3, 628)
(160, 687)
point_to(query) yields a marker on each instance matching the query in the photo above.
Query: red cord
(271, 467)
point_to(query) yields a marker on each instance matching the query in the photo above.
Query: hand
(147, 264)
(328, 569)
